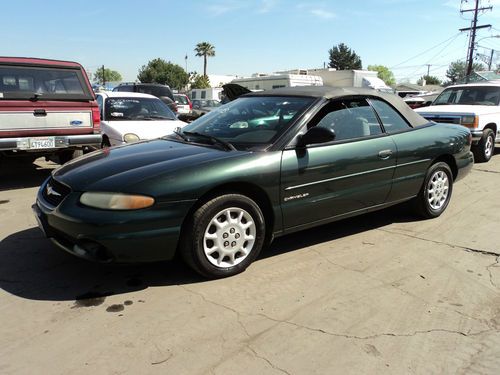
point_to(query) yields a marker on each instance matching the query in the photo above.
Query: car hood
(120, 168)
(145, 129)
(457, 109)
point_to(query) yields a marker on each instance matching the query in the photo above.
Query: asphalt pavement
(383, 293)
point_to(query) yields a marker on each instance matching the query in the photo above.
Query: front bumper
(477, 134)
(112, 236)
(60, 142)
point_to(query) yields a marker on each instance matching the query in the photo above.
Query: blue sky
(249, 35)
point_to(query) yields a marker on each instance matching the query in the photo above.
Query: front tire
(485, 148)
(224, 236)
(435, 193)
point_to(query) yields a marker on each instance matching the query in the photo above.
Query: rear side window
(393, 122)
(42, 83)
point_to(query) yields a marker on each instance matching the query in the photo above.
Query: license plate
(43, 142)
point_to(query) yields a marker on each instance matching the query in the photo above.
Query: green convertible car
(267, 164)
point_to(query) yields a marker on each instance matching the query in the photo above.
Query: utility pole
(491, 59)
(472, 40)
(428, 69)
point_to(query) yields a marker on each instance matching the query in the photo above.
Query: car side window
(393, 122)
(349, 119)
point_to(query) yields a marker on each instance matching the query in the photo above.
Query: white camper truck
(260, 82)
(351, 78)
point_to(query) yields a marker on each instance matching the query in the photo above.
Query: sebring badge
(51, 191)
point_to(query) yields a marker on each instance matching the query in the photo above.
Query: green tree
(205, 49)
(383, 73)
(164, 72)
(429, 80)
(343, 58)
(456, 70)
(199, 81)
(109, 75)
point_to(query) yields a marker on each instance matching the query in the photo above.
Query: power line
(424, 52)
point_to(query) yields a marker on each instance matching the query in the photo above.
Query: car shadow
(401, 213)
(18, 173)
(32, 267)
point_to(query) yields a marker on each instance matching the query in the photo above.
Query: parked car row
(218, 190)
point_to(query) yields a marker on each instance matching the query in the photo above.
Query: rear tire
(484, 150)
(224, 236)
(435, 193)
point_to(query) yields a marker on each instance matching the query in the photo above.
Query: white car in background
(128, 117)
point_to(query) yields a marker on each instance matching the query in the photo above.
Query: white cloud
(321, 13)
(219, 8)
(267, 5)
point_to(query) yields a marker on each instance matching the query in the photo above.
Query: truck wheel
(67, 155)
(485, 148)
(435, 193)
(223, 236)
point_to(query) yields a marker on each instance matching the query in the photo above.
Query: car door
(350, 174)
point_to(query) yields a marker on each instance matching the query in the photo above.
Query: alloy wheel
(229, 237)
(437, 190)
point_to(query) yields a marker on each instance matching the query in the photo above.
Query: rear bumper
(464, 165)
(61, 142)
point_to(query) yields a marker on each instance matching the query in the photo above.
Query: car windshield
(473, 95)
(37, 83)
(251, 121)
(119, 109)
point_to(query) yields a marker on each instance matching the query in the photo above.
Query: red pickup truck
(47, 108)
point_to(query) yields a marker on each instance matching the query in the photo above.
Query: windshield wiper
(214, 140)
(178, 132)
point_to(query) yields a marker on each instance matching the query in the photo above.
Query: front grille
(444, 120)
(54, 192)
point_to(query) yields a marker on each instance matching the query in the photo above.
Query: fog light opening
(93, 250)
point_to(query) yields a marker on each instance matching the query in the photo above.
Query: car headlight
(116, 201)
(469, 120)
(130, 137)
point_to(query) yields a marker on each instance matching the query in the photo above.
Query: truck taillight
(190, 105)
(96, 119)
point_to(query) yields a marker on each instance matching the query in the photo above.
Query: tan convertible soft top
(328, 92)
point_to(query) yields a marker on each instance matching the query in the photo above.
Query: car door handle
(385, 154)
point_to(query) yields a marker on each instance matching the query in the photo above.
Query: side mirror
(316, 135)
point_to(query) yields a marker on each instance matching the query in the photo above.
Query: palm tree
(205, 49)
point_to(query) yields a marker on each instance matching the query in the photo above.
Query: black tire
(68, 155)
(485, 148)
(236, 237)
(437, 176)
